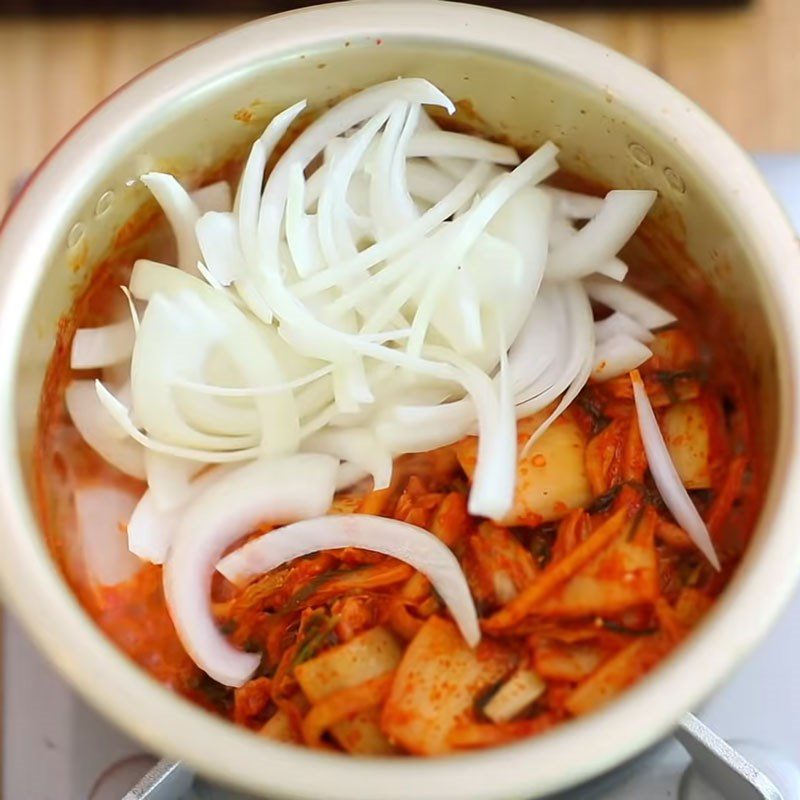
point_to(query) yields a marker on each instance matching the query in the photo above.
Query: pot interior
(603, 144)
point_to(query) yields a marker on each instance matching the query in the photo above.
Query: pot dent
(617, 124)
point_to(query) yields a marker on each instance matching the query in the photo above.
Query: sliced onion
(121, 415)
(101, 347)
(615, 268)
(248, 195)
(169, 479)
(387, 248)
(413, 545)
(302, 236)
(152, 526)
(446, 144)
(119, 377)
(102, 512)
(495, 477)
(457, 240)
(666, 477)
(246, 204)
(350, 385)
(251, 348)
(458, 167)
(409, 429)
(537, 344)
(213, 197)
(628, 301)
(134, 312)
(101, 432)
(492, 494)
(428, 182)
(359, 447)
(619, 324)
(218, 238)
(251, 391)
(181, 213)
(574, 205)
(618, 355)
(349, 475)
(172, 339)
(335, 235)
(523, 222)
(603, 236)
(305, 148)
(276, 491)
(577, 368)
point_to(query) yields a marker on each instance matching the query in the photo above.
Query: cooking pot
(617, 125)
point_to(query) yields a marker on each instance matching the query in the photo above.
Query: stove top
(56, 748)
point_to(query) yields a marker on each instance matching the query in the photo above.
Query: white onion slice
(446, 144)
(93, 348)
(251, 391)
(614, 268)
(603, 236)
(619, 324)
(302, 236)
(181, 213)
(213, 197)
(618, 355)
(218, 238)
(458, 167)
(457, 240)
(169, 478)
(134, 312)
(577, 368)
(666, 477)
(495, 477)
(351, 388)
(409, 429)
(574, 205)
(491, 495)
(101, 432)
(304, 149)
(428, 182)
(461, 194)
(250, 346)
(248, 198)
(248, 195)
(628, 301)
(357, 446)
(416, 546)
(390, 206)
(523, 222)
(152, 527)
(335, 235)
(172, 339)
(121, 415)
(349, 475)
(537, 344)
(276, 491)
(101, 513)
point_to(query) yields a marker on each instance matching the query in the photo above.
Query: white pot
(617, 124)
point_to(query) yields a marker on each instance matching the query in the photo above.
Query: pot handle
(723, 768)
(167, 780)
(727, 770)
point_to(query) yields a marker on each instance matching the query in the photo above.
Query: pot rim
(572, 753)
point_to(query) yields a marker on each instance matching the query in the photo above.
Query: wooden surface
(742, 66)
